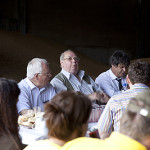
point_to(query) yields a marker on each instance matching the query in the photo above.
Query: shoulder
(50, 87)
(104, 75)
(119, 98)
(22, 82)
(23, 85)
(58, 78)
(83, 143)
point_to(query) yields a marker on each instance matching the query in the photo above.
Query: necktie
(120, 85)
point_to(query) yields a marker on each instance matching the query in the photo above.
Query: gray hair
(35, 66)
(62, 54)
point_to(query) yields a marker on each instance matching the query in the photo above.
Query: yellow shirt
(43, 145)
(116, 141)
(83, 143)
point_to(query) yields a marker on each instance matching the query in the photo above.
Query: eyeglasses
(47, 74)
(72, 58)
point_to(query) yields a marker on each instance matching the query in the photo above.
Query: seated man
(36, 89)
(134, 130)
(70, 78)
(138, 78)
(113, 81)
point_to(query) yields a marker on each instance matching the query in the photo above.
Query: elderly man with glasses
(36, 89)
(71, 78)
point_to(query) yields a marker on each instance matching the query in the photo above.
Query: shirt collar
(32, 86)
(138, 85)
(112, 75)
(68, 75)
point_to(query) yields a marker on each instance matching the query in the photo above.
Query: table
(29, 135)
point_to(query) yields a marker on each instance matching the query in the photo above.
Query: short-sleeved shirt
(116, 141)
(31, 96)
(110, 118)
(108, 83)
(77, 85)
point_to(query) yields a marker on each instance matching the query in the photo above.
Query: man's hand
(99, 96)
(95, 96)
(103, 134)
(104, 98)
(24, 111)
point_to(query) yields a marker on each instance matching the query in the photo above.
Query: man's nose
(124, 69)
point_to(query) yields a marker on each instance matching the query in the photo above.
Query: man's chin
(124, 74)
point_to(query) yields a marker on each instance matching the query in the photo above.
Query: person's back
(83, 143)
(116, 141)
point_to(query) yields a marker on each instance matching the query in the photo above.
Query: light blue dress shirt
(108, 83)
(31, 96)
(77, 85)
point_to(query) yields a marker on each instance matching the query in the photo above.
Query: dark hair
(9, 93)
(67, 112)
(139, 72)
(119, 57)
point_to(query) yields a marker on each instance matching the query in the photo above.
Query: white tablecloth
(30, 135)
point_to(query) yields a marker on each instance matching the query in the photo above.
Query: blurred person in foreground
(9, 134)
(36, 89)
(134, 130)
(113, 81)
(71, 78)
(66, 117)
(138, 78)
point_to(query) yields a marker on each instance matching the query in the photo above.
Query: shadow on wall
(16, 50)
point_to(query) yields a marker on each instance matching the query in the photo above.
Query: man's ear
(36, 76)
(128, 80)
(61, 63)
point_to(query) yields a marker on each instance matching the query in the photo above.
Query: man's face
(45, 76)
(70, 62)
(119, 70)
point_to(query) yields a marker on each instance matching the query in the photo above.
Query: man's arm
(24, 111)
(103, 134)
(99, 96)
(94, 96)
(105, 123)
(23, 101)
